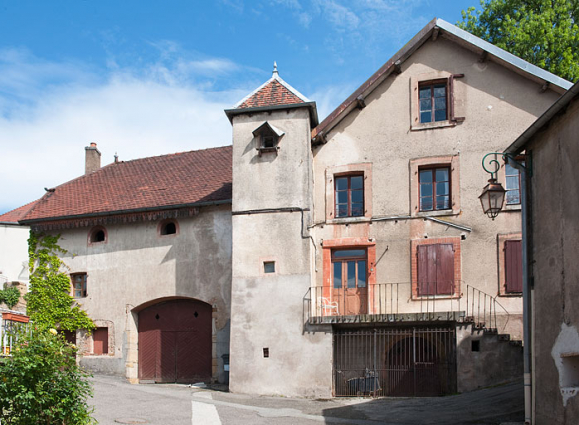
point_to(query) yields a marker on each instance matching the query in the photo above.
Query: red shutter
(426, 269)
(100, 338)
(444, 269)
(513, 266)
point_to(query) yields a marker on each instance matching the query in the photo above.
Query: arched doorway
(175, 342)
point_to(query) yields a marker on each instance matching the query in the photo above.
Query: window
(268, 138)
(513, 185)
(268, 141)
(513, 250)
(78, 285)
(168, 227)
(349, 196)
(433, 101)
(269, 266)
(434, 189)
(435, 268)
(97, 235)
(100, 338)
(349, 268)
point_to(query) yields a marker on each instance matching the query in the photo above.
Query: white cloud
(43, 132)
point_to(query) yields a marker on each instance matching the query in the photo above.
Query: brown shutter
(100, 338)
(451, 95)
(513, 266)
(426, 269)
(444, 269)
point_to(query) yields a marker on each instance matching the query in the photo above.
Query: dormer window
(268, 138)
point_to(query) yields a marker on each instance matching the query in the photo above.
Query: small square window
(79, 289)
(269, 266)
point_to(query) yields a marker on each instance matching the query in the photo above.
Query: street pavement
(116, 401)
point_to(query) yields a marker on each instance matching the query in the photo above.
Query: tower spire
(275, 73)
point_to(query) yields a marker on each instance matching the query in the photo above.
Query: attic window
(268, 138)
(97, 235)
(168, 227)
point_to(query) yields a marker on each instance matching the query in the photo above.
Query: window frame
(349, 191)
(433, 169)
(343, 261)
(93, 231)
(334, 172)
(431, 85)
(418, 164)
(84, 285)
(518, 189)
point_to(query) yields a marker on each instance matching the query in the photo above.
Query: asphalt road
(116, 401)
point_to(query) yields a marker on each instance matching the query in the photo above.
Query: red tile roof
(272, 94)
(143, 184)
(17, 214)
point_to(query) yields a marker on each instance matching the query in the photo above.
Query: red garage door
(175, 342)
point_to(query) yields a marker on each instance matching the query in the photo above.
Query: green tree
(542, 32)
(40, 383)
(50, 304)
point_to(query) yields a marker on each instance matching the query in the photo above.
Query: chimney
(92, 159)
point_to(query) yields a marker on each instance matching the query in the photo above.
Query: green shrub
(9, 296)
(42, 384)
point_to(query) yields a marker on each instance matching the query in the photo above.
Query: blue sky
(144, 77)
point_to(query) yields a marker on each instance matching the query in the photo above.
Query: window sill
(440, 213)
(511, 295)
(431, 125)
(262, 150)
(349, 220)
(513, 207)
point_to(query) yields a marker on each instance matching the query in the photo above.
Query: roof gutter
(519, 144)
(310, 105)
(118, 212)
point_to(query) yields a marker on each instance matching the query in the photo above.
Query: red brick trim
(455, 241)
(501, 239)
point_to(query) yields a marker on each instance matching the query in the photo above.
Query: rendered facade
(337, 258)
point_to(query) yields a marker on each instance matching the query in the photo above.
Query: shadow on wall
(487, 406)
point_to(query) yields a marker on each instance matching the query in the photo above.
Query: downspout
(526, 290)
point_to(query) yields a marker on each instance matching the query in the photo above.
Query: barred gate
(401, 361)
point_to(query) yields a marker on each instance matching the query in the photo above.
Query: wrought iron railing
(391, 302)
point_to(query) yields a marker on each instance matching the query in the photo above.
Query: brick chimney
(92, 159)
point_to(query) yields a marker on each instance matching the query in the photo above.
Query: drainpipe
(526, 291)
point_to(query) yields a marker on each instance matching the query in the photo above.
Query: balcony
(394, 302)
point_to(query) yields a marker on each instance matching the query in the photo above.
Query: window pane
(357, 182)
(440, 115)
(269, 267)
(341, 210)
(513, 197)
(442, 174)
(337, 275)
(442, 202)
(346, 253)
(425, 105)
(425, 93)
(426, 176)
(351, 274)
(425, 189)
(357, 210)
(362, 274)
(440, 90)
(440, 103)
(425, 117)
(342, 183)
(512, 182)
(342, 197)
(425, 204)
(357, 196)
(442, 188)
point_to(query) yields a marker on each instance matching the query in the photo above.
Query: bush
(42, 384)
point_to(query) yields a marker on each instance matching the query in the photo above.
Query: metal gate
(175, 342)
(401, 361)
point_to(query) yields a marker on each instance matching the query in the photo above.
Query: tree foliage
(50, 304)
(40, 383)
(542, 32)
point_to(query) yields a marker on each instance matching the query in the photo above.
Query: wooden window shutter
(513, 266)
(452, 117)
(444, 269)
(100, 337)
(426, 269)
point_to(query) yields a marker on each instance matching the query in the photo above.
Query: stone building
(336, 258)
(550, 147)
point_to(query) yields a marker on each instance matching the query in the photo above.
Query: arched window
(168, 227)
(97, 234)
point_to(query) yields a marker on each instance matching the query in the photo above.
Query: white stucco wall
(14, 253)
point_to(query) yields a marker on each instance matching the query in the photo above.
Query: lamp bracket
(494, 164)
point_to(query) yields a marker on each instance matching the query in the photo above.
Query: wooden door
(349, 288)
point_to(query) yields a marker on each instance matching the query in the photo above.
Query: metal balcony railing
(395, 302)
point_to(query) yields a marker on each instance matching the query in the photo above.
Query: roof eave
(119, 212)
(310, 105)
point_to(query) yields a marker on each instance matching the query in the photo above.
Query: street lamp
(493, 195)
